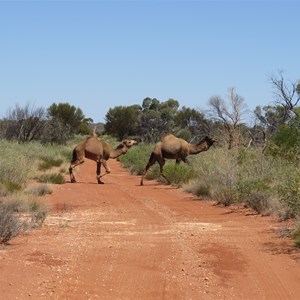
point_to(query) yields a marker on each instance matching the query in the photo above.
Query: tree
(286, 140)
(157, 118)
(24, 124)
(270, 118)
(122, 121)
(55, 132)
(191, 120)
(230, 118)
(286, 93)
(68, 115)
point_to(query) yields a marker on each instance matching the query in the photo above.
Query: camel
(98, 151)
(172, 147)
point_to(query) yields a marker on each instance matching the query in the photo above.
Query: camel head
(129, 143)
(203, 145)
(125, 145)
(209, 140)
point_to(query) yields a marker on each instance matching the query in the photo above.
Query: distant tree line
(53, 125)
(223, 118)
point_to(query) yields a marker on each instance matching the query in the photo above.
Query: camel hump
(94, 131)
(168, 136)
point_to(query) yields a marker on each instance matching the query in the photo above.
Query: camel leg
(161, 165)
(71, 168)
(151, 162)
(99, 172)
(105, 165)
(107, 170)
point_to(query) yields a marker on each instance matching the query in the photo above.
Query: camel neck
(117, 152)
(195, 149)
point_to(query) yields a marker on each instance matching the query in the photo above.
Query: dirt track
(123, 241)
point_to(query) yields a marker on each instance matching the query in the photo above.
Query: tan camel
(98, 151)
(172, 147)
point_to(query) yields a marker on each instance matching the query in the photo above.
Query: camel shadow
(86, 182)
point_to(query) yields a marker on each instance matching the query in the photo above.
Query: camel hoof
(73, 181)
(100, 182)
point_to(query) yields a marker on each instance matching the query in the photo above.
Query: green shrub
(56, 178)
(137, 158)
(289, 192)
(256, 194)
(48, 163)
(7, 187)
(177, 174)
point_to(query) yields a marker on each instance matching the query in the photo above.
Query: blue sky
(100, 54)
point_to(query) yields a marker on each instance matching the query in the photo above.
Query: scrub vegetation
(255, 161)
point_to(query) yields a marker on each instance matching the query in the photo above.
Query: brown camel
(172, 147)
(98, 151)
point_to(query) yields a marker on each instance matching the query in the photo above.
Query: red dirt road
(123, 241)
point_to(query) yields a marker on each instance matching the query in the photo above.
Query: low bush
(198, 188)
(38, 211)
(259, 201)
(29, 210)
(225, 196)
(296, 234)
(9, 225)
(177, 174)
(289, 192)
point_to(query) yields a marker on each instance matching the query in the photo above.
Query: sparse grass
(39, 189)
(15, 167)
(7, 187)
(38, 210)
(20, 212)
(56, 178)
(48, 163)
(16, 202)
(21, 209)
(19, 162)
